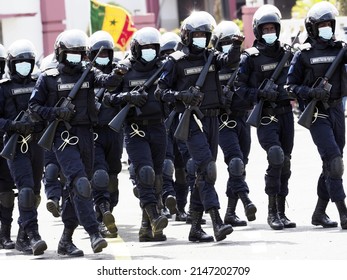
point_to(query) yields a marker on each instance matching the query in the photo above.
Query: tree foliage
(302, 6)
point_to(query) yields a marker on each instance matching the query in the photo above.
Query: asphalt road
(256, 243)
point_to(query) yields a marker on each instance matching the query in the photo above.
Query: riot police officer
(74, 133)
(108, 143)
(6, 183)
(26, 164)
(177, 84)
(276, 129)
(144, 130)
(328, 123)
(234, 133)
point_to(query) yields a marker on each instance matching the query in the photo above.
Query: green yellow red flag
(113, 19)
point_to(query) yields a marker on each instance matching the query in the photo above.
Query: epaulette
(177, 55)
(253, 51)
(303, 47)
(52, 72)
(5, 80)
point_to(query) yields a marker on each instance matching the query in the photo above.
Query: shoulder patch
(5, 80)
(253, 51)
(177, 55)
(52, 72)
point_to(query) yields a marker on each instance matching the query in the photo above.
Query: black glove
(136, 98)
(227, 96)
(107, 100)
(237, 40)
(120, 69)
(186, 96)
(270, 95)
(22, 127)
(64, 113)
(198, 96)
(319, 94)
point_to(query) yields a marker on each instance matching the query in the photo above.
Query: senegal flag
(113, 19)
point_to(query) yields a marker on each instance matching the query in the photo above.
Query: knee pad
(100, 180)
(191, 167)
(7, 199)
(180, 176)
(168, 168)
(51, 172)
(211, 172)
(286, 165)
(336, 168)
(26, 199)
(236, 168)
(82, 187)
(275, 156)
(146, 176)
(113, 184)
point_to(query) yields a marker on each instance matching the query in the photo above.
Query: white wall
(15, 28)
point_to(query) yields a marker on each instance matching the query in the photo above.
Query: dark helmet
(266, 14)
(227, 29)
(199, 21)
(20, 51)
(100, 39)
(168, 42)
(70, 40)
(320, 12)
(2, 60)
(142, 37)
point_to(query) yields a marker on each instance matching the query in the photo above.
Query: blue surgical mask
(148, 54)
(74, 58)
(226, 48)
(23, 68)
(102, 60)
(199, 42)
(269, 38)
(325, 33)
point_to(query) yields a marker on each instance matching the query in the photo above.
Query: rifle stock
(9, 150)
(182, 130)
(254, 117)
(117, 122)
(169, 120)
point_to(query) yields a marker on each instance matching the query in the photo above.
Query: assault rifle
(9, 150)
(227, 91)
(322, 82)
(182, 129)
(254, 117)
(46, 140)
(117, 122)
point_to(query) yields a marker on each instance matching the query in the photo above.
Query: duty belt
(146, 122)
(211, 112)
(277, 111)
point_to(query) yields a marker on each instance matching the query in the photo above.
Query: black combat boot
(273, 218)
(5, 237)
(170, 203)
(197, 234)
(97, 242)
(145, 232)
(108, 218)
(181, 215)
(52, 206)
(281, 201)
(230, 216)
(319, 217)
(189, 218)
(220, 230)
(23, 242)
(66, 247)
(250, 208)
(38, 245)
(158, 222)
(341, 207)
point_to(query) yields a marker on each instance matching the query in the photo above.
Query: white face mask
(102, 60)
(226, 48)
(199, 42)
(269, 38)
(326, 32)
(148, 54)
(74, 58)
(23, 68)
